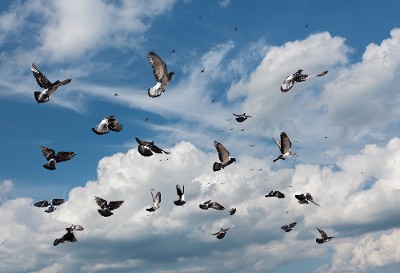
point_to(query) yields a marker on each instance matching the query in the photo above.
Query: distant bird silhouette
(209, 204)
(108, 123)
(173, 51)
(285, 146)
(223, 155)
(277, 194)
(305, 199)
(54, 158)
(116, 95)
(156, 202)
(236, 29)
(181, 193)
(232, 211)
(200, 17)
(43, 82)
(161, 74)
(325, 238)
(202, 70)
(242, 117)
(147, 148)
(289, 227)
(69, 236)
(290, 80)
(107, 207)
(221, 234)
(50, 206)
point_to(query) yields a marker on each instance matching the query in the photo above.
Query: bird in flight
(156, 202)
(107, 207)
(69, 236)
(221, 234)
(285, 146)
(107, 124)
(277, 194)
(161, 74)
(242, 117)
(181, 193)
(50, 206)
(289, 227)
(223, 155)
(147, 148)
(324, 237)
(305, 199)
(209, 204)
(54, 158)
(288, 83)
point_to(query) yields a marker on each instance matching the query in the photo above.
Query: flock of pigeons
(148, 148)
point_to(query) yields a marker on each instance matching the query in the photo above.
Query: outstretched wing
(157, 199)
(57, 202)
(286, 145)
(100, 201)
(323, 233)
(277, 143)
(41, 79)
(157, 150)
(115, 204)
(64, 156)
(41, 204)
(216, 206)
(47, 152)
(179, 191)
(292, 225)
(159, 67)
(223, 153)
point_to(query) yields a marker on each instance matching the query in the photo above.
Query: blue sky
(343, 126)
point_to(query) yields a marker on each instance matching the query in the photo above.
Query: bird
(173, 51)
(236, 29)
(285, 146)
(108, 123)
(209, 204)
(277, 194)
(223, 155)
(69, 236)
(289, 81)
(241, 118)
(43, 82)
(181, 194)
(289, 227)
(147, 148)
(161, 74)
(221, 234)
(202, 70)
(232, 211)
(107, 207)
(54, 158)
(325, 238)
(305, 198)
(50, 206)
(156, 202)
(116, 95)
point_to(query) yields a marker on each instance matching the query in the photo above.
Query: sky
(343, 126)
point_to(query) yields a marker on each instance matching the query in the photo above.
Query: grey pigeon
(147, 148)
(277, 194)
(209, 204)
(161, 74)
(285, 147)
(50, 206)
(156, 202)
(288, 83)
(221, 234)
(107, 124)
(223, 156)
(181, 193)
(289, 227)
(232, 211)
(69, 236)
(54, 158)
(305, 199)
(241, 118)
(43, 82)
(325, 238)
(107, 207)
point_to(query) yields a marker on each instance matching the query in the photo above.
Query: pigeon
(69, 236)
(161, 74)
(232, 211)
(43, 82)
(241, 118)
(106, 208)
(54, 158)
(223, 155)
(202, 70)
(147, 148)
(221, 234)
(156, 202)
(289, 227)
(181, 194)
(325, 238)
(50, 206)
(275, 194)
(108, 123)
(305, 199)
(298, 77)
(285, 146)
(209, 204)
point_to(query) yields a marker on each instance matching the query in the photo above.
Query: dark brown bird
(69, 236)
(277, 194)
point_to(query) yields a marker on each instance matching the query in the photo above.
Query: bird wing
(114, 125)
(286, 145)
(279, 194)
(300, 197)
(284, 227)
(292, 225)
(179, 191)
(57, 84)
(223, 153)
(114, 204)
(77, 227)
(139, 141)
(47, 152)
(64, 156)
(41, 204)
(323, 233)
(277, 143)
(100, 201)
(157, 199)
(57, 202)
(41, 79)
(157, 150)
(159, 67)
(216, 206)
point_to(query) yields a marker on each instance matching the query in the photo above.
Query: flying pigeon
(285, 146)
(49, 87)
(69, 236)
(161, 75)
(106, 208)
(325, 238)
(156, 202)
(50, 206)
(298, 77)
(241, 118)
(209, 204)
(181, 194)
(54, 158)
(108, 123)
(289, 227)
(275, 194)
(305, 198)
(221, 234)
(146, 148)
(232, 211)
(223, 155)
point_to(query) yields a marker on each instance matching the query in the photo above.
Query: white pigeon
(288, 83)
